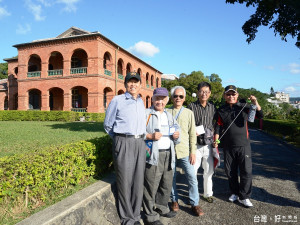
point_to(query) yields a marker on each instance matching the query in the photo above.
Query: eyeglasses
(180, 96)
(233, 94)
(204, 92)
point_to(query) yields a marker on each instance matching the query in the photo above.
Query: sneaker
(233, 198)
(246, 202)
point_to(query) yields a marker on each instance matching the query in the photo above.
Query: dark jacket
(237, 134)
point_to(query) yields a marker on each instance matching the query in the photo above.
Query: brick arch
(56, 62)
(56, 98)
(157, 82)
(79, 58)
(128, 68)
(121, 91)
(108, 95)
(34, 98)
(147, 78)
(107, 61)
(120, 66)
(79, 97)
(152, 80)
(148, 101)
(34, 63)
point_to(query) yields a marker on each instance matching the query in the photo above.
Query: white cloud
(230, 81)
(143, 48)
(269, 67)
(23, 29)
(69, 5)
(3, 12)
(290, 89)
(35, 9)
(250, 62)
(294, 68)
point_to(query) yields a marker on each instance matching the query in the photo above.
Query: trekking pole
(218, 141)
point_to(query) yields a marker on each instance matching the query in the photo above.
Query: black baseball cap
(132, 75)
(230, 88)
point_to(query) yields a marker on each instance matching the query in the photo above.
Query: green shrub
(289, 130)
(36, 115)
(32, 176)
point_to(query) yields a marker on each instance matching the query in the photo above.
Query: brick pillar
(45, 101)
(44, 70)
(67, 101)
(93, 102)
(23, 102)
(67, 67)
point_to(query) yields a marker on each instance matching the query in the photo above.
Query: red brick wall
(95, 81)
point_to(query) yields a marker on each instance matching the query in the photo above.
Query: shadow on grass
(80, 126)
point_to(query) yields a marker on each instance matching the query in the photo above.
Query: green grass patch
(23, 136)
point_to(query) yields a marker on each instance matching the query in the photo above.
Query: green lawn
(24, 136)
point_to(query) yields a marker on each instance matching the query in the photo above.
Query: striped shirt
(203, 115)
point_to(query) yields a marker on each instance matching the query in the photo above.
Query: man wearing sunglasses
(232, 117)
(185, 151)
(205, 113)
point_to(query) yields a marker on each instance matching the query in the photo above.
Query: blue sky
(174, 36)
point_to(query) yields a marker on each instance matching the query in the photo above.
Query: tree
(190, 83)
(281, 15)
(3, 70)
(272, 92)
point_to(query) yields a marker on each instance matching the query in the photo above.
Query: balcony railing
(78, 70)
(120, 76)
(55, 72)
(78, 109)
(107, 72)
(34, 74)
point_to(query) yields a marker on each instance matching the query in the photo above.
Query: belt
(130, 136)
(164, 150)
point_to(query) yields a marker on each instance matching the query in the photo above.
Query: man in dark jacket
(236, 143)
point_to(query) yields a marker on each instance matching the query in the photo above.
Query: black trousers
(238, 161)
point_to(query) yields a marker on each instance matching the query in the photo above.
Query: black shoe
(157, 222)
(170, 214)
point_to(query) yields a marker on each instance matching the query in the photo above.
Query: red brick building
(78, 70)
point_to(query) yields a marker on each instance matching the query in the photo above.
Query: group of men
(148, 144)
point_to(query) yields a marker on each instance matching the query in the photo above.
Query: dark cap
(230, 88)
(132, 75)
(161, 92)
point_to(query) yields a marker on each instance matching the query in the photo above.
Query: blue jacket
(151, 126)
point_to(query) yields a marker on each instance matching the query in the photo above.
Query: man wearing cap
(125, 122)
(205, 113)
(163, 132)
(186, 150)
(232, 117)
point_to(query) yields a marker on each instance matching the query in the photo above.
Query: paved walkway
(275, 192)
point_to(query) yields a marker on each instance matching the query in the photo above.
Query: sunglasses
(180, 96)
(233, 94)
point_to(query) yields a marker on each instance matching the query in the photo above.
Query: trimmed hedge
(36, 115)
(288, 130)
(32, 176)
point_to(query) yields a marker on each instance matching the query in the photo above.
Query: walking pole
(218, 141)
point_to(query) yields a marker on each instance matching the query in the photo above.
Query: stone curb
(93, 205)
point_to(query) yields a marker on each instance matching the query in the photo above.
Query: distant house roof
(169, 77)
(3, 85)
(75, 32)
(11, 59)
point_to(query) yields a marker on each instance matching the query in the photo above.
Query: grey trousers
(129, 156)
(157, 187)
